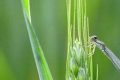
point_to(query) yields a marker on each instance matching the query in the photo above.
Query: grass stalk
(79, 65)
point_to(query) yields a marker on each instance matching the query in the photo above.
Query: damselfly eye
(95, 37)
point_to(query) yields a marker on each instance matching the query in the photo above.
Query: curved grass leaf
(42, 67)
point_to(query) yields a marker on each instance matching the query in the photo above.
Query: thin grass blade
(41, 64)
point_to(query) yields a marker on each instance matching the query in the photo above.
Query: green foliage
(6, 72)
(41, 64)
(49, 20)
(79, 64)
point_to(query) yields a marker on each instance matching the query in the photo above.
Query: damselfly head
(93, 38)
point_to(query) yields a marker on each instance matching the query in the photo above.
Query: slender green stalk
(97, 73)
(41, 64)
(79, 64)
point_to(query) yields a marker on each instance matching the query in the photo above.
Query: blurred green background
(50, 22)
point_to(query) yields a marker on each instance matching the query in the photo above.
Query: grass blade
(42, 67)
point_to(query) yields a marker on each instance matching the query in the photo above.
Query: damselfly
(111, 56)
